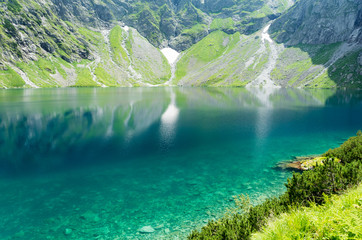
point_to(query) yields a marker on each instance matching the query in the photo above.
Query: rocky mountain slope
(55, 43)
(320, 22)
(40, 49)
(314, 44)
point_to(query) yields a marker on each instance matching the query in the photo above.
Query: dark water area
(96, 163)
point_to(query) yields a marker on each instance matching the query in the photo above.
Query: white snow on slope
(170, 54)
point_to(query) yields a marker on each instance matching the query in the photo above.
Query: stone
(90, 216)
(160, 226)
(360, 59)
(68, 231)
(3, 67)
(47, 47)
(146, 229)
(167, 230)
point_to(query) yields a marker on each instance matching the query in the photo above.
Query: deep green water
(106, 162)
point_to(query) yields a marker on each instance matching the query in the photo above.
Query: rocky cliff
(53, 43)
(320, 22)
(315, 44)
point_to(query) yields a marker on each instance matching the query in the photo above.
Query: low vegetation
(339, 218)
(306, 189)
(10, 78)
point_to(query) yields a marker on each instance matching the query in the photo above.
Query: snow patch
(170, 54)
(264, 79)
(265, 35)
(126, 28)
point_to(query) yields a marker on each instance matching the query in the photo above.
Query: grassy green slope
(310, 66)
(9, 78)
(339, 218)
(120, 58)
(222, 59)
(148, 62)
(116, 36)
(217, 60)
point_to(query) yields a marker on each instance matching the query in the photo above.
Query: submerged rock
(146, 229)
(304, 163)
(160, 226)
(68, 231)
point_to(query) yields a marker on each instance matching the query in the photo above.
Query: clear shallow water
(106, 162)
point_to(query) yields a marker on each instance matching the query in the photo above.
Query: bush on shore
(339, 218)
(303, 189)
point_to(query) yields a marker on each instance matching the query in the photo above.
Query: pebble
(167, 230)
(68, 231)
(147, 229)
(160, 226)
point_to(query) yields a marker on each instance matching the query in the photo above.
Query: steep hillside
(221, 59)
(304, 57)
(323, 35)
(320, 22)
(178, 23)
(55, 43)
(39, 49)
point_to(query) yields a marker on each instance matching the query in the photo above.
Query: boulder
(146, 229)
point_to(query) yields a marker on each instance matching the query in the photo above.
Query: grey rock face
(320, 22)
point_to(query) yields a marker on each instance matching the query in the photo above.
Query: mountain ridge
(68, 43)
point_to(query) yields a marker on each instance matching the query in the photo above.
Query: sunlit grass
(339, 218)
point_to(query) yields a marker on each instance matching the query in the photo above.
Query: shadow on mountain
(336, 65)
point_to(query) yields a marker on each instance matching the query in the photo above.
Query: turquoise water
(97, 163)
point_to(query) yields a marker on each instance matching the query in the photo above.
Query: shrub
(14, 6)
(349, 151)
(339, 218)
(9, 27)
(302, 190)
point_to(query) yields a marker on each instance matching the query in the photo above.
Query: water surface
(106, 162)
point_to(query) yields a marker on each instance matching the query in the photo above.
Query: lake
(102, 163)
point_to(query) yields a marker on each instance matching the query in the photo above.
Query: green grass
(116, 36)
(346, 72)
(339, 218)
(195, 30)
(39, 72)
(104, 77)
(206, 50)
(84, 78)
(91, 36)
(222, 24)
(262, 12)
(306, 189)
(13, 6)
(46, 66)
(302, 63)
(10, 78)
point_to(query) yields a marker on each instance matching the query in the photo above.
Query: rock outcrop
(320, 22)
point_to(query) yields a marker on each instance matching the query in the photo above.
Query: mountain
(41, 48)
(56, 43)
(320, 22)
(315, 44)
